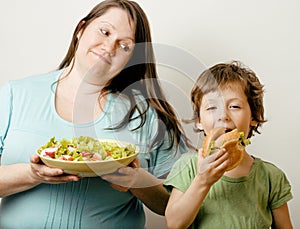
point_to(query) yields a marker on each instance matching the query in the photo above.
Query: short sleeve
(162, 157)
(5, 112)
(182, 173)
(280, 189)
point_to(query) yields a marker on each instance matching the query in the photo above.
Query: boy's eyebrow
(237, 99)
(214, 100)
(209, 100)
(206, 102)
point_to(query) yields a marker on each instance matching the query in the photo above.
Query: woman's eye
(104, 32)
(125, 47)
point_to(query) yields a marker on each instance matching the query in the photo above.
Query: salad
(85, 148)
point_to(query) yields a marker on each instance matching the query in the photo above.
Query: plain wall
(188, 36)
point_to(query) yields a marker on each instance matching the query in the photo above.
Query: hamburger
(232, 140)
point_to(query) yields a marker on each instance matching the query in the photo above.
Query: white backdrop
(189, 35)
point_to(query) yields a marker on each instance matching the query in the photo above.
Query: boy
(204, 194)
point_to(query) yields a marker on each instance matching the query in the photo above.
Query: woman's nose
(110, 47)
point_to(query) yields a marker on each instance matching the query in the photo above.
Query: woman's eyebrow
(114, 28)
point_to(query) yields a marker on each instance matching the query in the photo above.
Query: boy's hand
(212, 167)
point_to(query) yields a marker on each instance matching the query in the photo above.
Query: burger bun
(219, 138)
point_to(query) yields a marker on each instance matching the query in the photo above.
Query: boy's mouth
(228, 130)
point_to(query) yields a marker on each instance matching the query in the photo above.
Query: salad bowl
(106, 161)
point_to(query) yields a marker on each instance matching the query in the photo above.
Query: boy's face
(226, 107)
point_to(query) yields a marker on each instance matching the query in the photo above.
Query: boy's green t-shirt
(244, 202)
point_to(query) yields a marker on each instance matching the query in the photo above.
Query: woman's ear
(80, 29)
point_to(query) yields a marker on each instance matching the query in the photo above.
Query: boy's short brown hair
(222, 74)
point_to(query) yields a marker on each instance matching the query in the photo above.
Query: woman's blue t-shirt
(28, 119)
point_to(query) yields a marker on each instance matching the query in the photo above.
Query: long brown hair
(139, 74)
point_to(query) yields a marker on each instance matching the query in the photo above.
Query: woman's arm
(20, 177)
(15, 178)
(281, 218)
(155, 197)
(141, 184)
(149, 189)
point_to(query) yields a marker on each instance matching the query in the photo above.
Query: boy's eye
(210, 108)
(234, 107)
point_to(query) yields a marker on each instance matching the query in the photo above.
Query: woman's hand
(44, 174)
(131, 176)
(124, 178)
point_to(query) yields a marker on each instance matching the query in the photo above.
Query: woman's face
(227, 107)
(105, 46)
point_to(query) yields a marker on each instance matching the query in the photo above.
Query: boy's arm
(281, 218)
(183, 207)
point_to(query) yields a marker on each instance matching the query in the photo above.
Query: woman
(106, 87)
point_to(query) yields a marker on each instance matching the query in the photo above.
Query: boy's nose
(223, 115)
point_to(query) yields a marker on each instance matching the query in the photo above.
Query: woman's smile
(101, 57)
